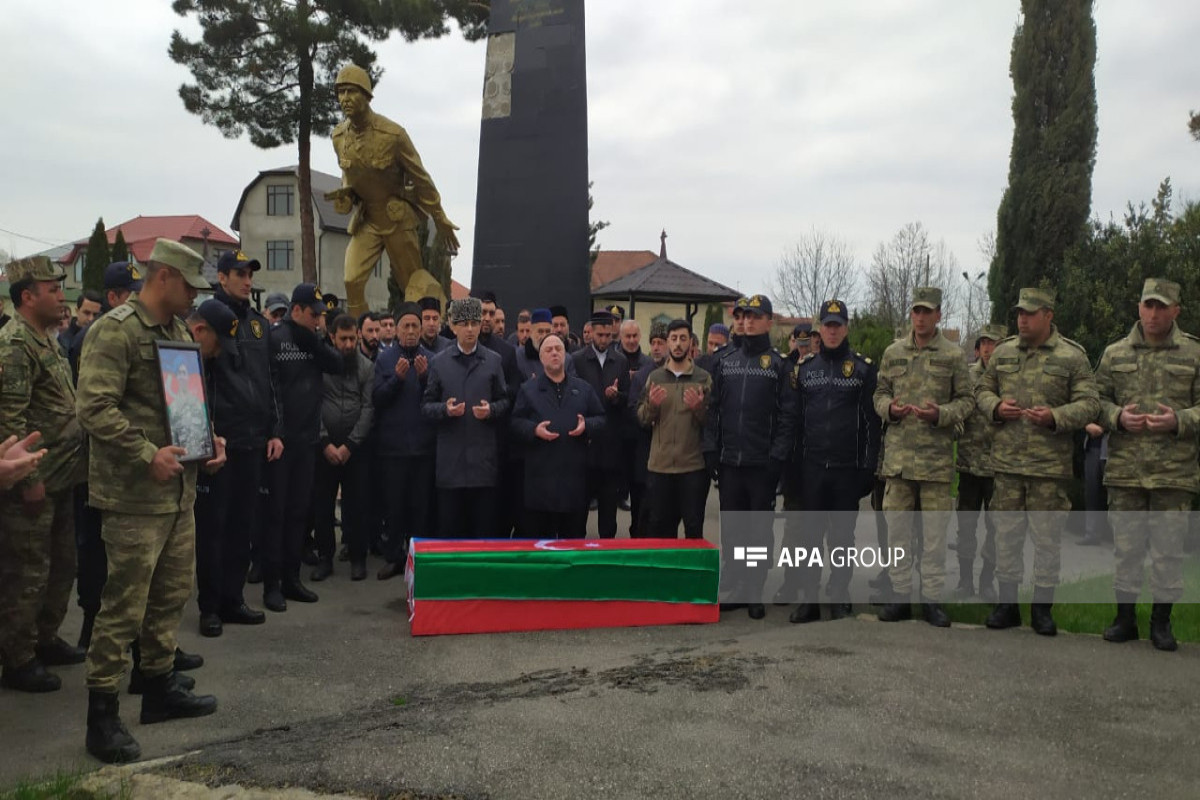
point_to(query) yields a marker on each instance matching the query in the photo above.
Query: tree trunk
(308, 246)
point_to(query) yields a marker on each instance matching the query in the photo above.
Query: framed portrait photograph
(181, 374)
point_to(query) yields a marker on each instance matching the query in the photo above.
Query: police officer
(837, 448)
(276, 307)
(387, 188)
(923, 393)
(37, 550)
(974, 461)
(1149, 387)
(747, 438)
(246, 413)
(1037, 387)
(146, 496)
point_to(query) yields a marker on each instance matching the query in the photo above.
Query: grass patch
(53, 787)
(399, 701)
(1079, 617)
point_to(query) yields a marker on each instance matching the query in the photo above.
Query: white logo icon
(751, 555)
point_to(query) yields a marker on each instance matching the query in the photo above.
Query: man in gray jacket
(467, 399)
(342, 460)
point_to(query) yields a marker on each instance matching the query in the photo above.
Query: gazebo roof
(665, 281)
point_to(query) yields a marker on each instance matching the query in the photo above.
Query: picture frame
(185, 398)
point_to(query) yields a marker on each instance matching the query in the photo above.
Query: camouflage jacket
(37, 394)
(121, 406)
(1057, 375)
(383, 168)
(913, 449)
(975, 441)
(1134, 371)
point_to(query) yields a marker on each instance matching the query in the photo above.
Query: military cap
(469, 309)
(758, 304)
(35, 268)
(236, 259)
(739, 306)
(1032, 299)
(559, 311)
(801, 329)
(331, 301)
(276, 301)
(540, 315)
(658, 330)
(122, 275)
(309, 296)
(993, 332)
(1162, 290)
(834, 311)
(927, 297)
(602, 318)
(430, 304)
(616, 311)
(220, 318)
(180, 257)
(408, 308)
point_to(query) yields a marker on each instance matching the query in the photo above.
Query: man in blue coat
(554, 415)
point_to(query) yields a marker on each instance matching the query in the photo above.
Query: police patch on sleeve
(764, 361)
(256, 328)
(847, 368)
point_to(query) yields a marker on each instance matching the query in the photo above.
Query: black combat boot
(806, 612)
(840, 610)
(30, 677)
(1006, 614)
(57, 653)
(1040, 618)
(1124, 627)
(1160, 628)
(756, 610)
(293, 589)
(107, 738)
(164, 698)
(934, 614)
(895, 612)
(966, 579)
(987, 586)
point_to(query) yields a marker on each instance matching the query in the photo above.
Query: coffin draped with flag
(490, 586)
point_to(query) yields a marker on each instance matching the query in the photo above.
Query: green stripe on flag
(673, 576)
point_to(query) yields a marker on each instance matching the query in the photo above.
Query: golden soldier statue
(384, 188)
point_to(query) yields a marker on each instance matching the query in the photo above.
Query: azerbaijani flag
(495, 585)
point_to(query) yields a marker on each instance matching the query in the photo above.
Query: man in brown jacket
(674, 404)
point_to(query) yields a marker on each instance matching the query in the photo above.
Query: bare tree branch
(818, 267)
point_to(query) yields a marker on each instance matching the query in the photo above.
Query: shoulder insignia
(1074, 344)
(808, 357)
(1193, 337)
(121, 312)
(860, 356)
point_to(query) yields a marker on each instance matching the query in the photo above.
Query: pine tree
(120, 251)
(266, 68)
(1045, 208)
(96, 259)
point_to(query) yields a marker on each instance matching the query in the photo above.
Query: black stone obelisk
(531, 214)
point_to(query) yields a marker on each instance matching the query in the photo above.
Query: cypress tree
(1045, 208)
(96, 259)
(120, 251)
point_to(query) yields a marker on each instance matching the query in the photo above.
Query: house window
(279, 254)
(279, 201)
(79, 262)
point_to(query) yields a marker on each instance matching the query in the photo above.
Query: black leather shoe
(389, 571)
(805, 612)
(935, 615)
(358, 571)
(894, 612)
(210, 625)
(57, 653)
(1004, 615)
(840, 610)
(255, 574)
(30, 677)
(107, 738)
(756, 610)
(165, 699)
(321, 571)
(273, 600)
(243, 615)
(295, 590)
(187, 661)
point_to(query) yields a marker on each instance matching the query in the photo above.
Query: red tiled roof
(613, 264)
(458, 291)
(141, 231)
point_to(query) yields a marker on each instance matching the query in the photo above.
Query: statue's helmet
(354, 75)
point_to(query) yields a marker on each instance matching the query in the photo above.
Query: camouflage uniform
(148, 527)
(1151, 472)
(1033, 464)
(918, 457)
(392, 189)
(37, 554)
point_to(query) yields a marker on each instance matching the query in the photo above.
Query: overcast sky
(735, 125)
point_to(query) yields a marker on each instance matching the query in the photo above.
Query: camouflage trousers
(151, 567)
(1047, 500)
(901, 500)
(37, 571)
(1154, 519)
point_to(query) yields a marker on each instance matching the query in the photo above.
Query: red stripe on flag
(433, 617)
